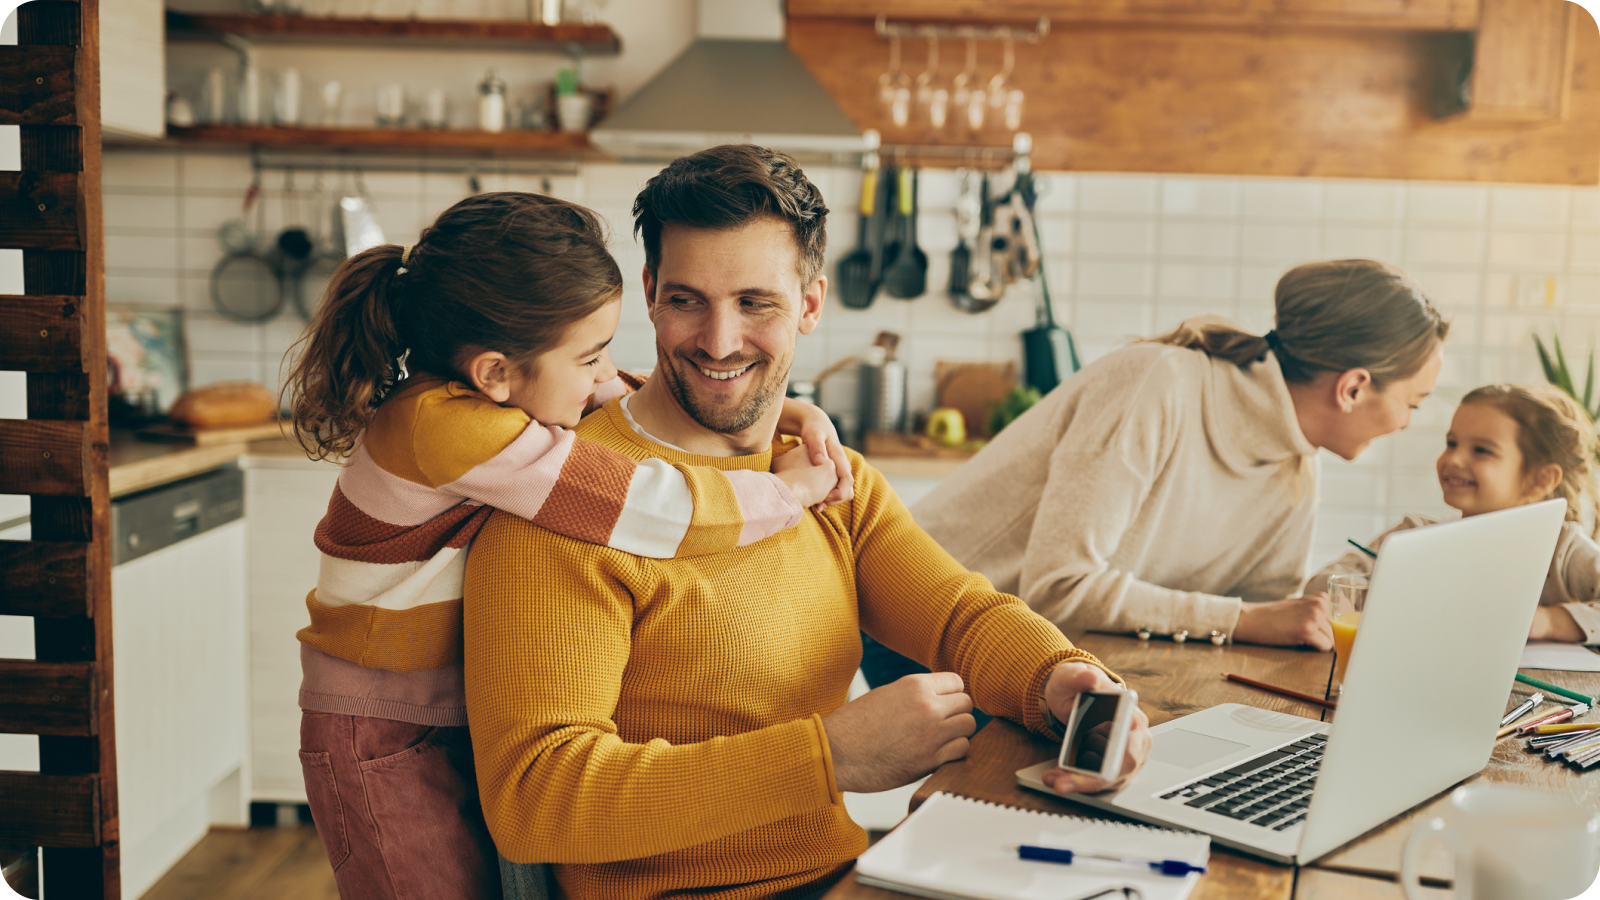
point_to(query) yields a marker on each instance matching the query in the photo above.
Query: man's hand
(894, 735)
(1295, 621)
(811, 483)
(1061, 691)
(821, 444)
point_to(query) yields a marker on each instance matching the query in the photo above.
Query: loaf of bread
(224, 404)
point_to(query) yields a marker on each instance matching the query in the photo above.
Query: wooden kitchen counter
(138, 465)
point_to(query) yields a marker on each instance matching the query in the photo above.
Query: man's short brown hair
(729, 186)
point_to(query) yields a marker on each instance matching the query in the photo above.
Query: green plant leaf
(1561, 368)
(1588, 383)
(1544, 360)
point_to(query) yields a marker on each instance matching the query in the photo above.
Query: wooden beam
(1522, 66)
(41, 334)
(52, 148)
(39, 211)
(50, 458)
(49, 811)
(39, 86)
(45, 578)
(55, 698)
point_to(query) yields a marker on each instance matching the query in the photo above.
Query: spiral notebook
(956, 848)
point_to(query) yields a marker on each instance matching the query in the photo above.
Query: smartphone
(1097, 733)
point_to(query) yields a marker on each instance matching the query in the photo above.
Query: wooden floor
(253, 864)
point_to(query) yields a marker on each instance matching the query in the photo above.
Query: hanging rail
(887, 29)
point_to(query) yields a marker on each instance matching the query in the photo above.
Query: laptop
(1447, 615)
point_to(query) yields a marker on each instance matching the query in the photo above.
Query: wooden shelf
(504, 144)
(591, 40)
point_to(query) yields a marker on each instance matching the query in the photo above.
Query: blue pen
(1370, 553)
(1052, 854)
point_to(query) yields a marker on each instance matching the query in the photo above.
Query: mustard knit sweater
(654, 726)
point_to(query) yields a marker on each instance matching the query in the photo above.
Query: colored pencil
(1555, 688)
(1370, 553)
(1565, 727)
(1554, 718)
(1272, 688)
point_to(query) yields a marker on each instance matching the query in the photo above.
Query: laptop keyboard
(1271, 790)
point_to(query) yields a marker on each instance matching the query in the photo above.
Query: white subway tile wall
(1126, 255)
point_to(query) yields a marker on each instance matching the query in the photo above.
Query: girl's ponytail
(350, 356)
(502, 271)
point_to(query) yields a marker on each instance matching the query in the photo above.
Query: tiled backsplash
(1125, 255)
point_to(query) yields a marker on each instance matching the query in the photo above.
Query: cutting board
(205, 437)
(974, 388)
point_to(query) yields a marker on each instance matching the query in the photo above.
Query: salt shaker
(491, 103)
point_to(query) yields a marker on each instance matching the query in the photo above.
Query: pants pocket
(322, 793)
(424, 804)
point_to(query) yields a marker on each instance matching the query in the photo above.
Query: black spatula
(856, 282)
(907, 277)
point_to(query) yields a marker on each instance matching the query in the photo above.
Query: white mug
(1510, 843)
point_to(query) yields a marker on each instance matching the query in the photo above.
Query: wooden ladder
(55, 332)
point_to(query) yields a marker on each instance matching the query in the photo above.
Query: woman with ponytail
(1171, 486)
(444, 376)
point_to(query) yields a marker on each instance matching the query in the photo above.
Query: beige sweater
(1156, 489)
(1573, 581)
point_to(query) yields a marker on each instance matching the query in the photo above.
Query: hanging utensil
(856, 284)
(967, 212)
(361, 230)
(907, 277)
(1049, 355)
(1022, 248)
(891, 230)
(245, 284)
(326, 256)
(986, 285)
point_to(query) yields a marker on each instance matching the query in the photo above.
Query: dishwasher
(180, 657)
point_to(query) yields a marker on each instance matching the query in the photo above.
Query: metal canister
(881, 398)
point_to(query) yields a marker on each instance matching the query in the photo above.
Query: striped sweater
(385, 632)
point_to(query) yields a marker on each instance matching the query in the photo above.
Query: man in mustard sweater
(679, 726)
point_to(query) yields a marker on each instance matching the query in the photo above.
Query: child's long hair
(505, 271)
(1551, 428)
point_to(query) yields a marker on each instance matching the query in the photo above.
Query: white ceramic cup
(1510, 843)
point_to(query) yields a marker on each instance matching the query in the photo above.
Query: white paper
(1560, 656)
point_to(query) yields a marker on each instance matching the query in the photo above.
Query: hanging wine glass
(894, 87)
(933, 95)
(1004, 96)
(965, 83)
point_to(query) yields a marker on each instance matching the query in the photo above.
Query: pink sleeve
(766, 502)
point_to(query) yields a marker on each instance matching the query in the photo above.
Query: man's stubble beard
(734, 420)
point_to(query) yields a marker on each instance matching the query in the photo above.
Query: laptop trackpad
(1187, 750)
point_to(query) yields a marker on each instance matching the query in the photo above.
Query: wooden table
(1176, 679)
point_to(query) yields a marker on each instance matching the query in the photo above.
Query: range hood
(729, 90)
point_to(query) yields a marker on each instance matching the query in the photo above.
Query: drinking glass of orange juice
(1347, 596)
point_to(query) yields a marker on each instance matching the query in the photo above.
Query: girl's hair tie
(405, 259)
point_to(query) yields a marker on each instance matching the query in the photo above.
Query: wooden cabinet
(1404, 15)
(1327, 88)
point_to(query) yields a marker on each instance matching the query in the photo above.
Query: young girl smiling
(1511, 445)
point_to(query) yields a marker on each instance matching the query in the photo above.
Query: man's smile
(727, 375)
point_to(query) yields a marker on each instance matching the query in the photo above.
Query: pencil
(1370, 553)
(1565, 727)
(1272, 688)
(1547, 686)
